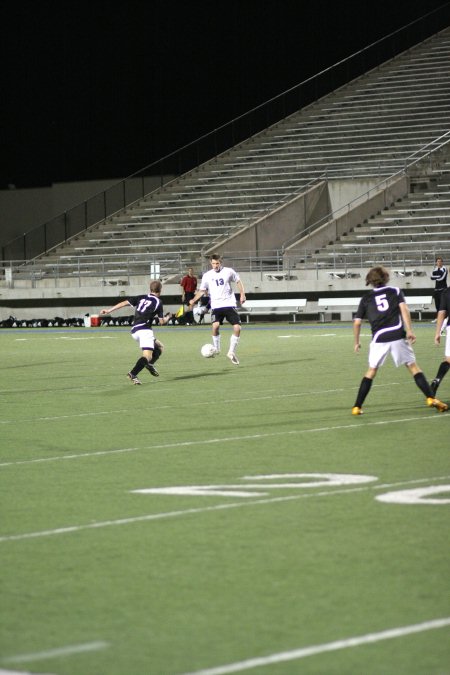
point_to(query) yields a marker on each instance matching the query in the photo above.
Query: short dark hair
(377, 276)
(215, 256)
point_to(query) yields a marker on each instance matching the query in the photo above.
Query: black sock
(364, 389)
(423, 385)
(443, 368)
(156, 354)
(140, 364)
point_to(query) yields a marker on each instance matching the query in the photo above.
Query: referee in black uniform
(439, 276)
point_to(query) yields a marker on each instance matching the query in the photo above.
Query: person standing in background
(439, 276)
(189, 285)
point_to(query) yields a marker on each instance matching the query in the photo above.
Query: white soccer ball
(208, 351)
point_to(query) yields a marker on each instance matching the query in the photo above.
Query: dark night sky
(94, 90)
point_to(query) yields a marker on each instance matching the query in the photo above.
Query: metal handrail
(414, 159)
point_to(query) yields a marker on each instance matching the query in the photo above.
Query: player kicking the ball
(217, 282)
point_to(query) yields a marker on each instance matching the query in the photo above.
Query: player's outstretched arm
(196, 298)
(119, 305)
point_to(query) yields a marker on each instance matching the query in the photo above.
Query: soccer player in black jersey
(148, 310)
(387, 312)
(439, 276)
(444, 313)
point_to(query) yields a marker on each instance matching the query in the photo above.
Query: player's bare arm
(196, 297)
(242, 297)
(119, 305)
(439, 321)
(356, 334)
(406, 318)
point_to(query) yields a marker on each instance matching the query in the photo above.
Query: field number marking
(307, 480)
(213, 507)
(417, 496)
(290, 480)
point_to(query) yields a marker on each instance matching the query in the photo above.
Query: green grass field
(221, 519)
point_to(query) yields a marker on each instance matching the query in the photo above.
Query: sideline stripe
(206, 509)
(227, 439)
(53, 653)
(16, 672)
(295, 654)
(266, 397)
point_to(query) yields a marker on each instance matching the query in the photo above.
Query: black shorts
(228, 313)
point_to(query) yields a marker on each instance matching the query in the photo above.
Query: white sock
(234, 341)
(216, 342)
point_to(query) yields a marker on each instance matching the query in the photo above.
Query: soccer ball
(208, 351)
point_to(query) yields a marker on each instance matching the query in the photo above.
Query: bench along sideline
(416, 303)
(295, 306)
(284, 306)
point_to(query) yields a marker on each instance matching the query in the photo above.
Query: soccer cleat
(233, 358)
(133, 378)
(151, 369)
(357, 411)
(436, 403)
(434, 384)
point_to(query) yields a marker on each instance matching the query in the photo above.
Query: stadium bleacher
(359, 135)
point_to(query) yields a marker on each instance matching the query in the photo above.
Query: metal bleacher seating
(365, 129)
(406, 236)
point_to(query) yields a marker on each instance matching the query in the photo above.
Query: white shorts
(400, 350)
(447, 342)
(145, 337)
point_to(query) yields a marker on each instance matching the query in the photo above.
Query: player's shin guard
(364, 389)
(423, 385)
(156, 354)
(443, 368)
(234, 341)
(140, 364)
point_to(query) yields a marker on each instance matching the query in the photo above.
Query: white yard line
(360, 424)
(295, 654)
(270, 397)
(68, 650)
(17, 672)
(58, 418)
(206, 509)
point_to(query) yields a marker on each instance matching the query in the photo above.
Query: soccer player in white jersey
(217, 282)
